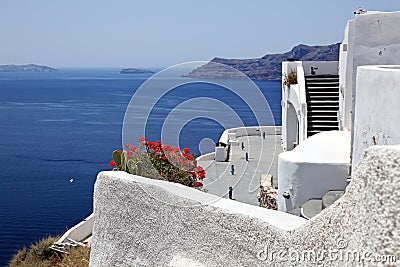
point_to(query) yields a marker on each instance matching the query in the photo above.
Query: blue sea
(64, 125)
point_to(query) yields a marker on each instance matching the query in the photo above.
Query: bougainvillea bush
(159, 161)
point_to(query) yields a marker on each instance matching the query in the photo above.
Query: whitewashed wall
(314, 167)
(376, 42)
(346, 76)
(323, 67)
(293, 99)
(377, 120)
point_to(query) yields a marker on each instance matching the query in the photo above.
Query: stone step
(322, 128)
(321, 118)
(322, 112)
(311, 208)
(320, 87)
(321, 107)
(323, 99)
(327, 79)
(320, 81)
(331, 197)
(323, 93)
(323, 76)
(323, 122)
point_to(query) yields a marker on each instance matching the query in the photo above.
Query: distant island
(267, 67)
(134, 71)
(25, 68)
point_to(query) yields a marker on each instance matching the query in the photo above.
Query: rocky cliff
(267, 67)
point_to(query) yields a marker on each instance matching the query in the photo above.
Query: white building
(332, 114)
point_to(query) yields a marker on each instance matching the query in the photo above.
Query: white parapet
(143, 222)
(317, 165)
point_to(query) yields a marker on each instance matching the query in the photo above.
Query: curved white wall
(317, 165)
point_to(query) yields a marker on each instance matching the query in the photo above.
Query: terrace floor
(245, 181)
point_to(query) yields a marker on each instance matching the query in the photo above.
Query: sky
(130, 33)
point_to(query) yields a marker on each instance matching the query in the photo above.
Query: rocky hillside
(268, 67)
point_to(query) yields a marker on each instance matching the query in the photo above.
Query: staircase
(322, 93)
(314, 206)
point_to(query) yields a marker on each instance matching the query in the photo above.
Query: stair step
(333, 93)
(323, 76)
(334, 99)
(322, 95)
(331, 197)
(322, 88)
(319, 122)
(324, 105)
(311, 208)
(323, 127)
(325, 81)
(323, 112)
(321, 118)
(323, 108)
(322, 84)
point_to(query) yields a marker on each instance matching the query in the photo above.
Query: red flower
(198, 184)
(112, 163)
(202, 175)
(150, 145)
(127, 145)
(189, 157)
(187, 150)
(166, 147)
(134, 148)
(164, 157)
(198, 169)
(129, 154)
